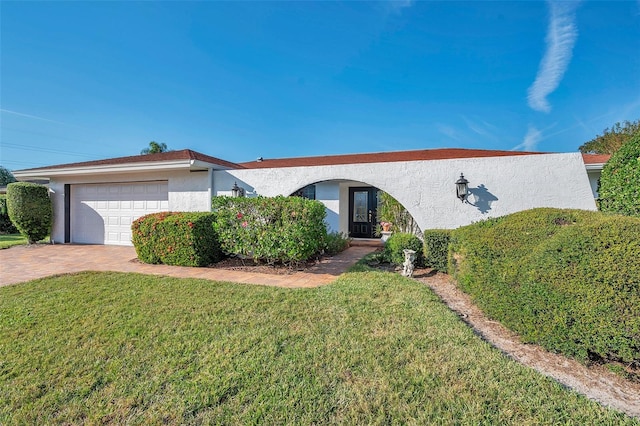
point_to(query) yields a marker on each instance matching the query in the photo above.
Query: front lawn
(372, 348)
(10, 240)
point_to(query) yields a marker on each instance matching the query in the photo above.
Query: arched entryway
(352, 206)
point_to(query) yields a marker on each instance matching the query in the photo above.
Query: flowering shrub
(184, 239)
(279, 229)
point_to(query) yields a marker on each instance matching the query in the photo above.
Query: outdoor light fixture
(236, 191)
(462, 188)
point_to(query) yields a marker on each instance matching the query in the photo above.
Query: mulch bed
(248, 265)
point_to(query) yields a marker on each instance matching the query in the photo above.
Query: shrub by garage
(30, 209)
(182, 239)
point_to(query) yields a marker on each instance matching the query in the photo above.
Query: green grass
(372, 348)
(10, 240)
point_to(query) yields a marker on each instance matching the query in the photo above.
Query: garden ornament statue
(409, 259)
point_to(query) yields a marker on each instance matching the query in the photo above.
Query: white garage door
(103, 213)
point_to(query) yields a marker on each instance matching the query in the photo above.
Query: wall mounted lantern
(236, 191)
(462, 188)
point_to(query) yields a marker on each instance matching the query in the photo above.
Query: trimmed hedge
(6, 227)
(278, 229)
(568, 280)
(30, 209)
(589, 277)
(184, 239)
(397, 242)
(436, 248)
(145, 235)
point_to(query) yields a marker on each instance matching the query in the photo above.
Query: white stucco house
(95, 202)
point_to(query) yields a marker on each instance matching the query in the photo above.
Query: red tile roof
(184, 154)
(381, 157)
(595, 158)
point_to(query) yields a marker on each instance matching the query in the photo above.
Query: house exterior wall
(329, 194)
(188, 191)
(498, 185)
(594, 178)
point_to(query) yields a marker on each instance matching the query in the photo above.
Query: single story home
(95, 202)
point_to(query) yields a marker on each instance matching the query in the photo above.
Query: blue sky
(240, 80)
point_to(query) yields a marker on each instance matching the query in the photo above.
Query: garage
(103, 213)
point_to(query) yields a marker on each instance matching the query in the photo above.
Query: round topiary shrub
(398, 242)
(30, 209)
(619, 190)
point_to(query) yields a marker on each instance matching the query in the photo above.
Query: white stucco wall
(329, 194)
(499, 185)
(188, 191)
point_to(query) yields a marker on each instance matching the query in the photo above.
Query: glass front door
(362, 211)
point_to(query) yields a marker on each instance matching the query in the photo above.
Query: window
(308, 192)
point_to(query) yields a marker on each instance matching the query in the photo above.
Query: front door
(363, 202)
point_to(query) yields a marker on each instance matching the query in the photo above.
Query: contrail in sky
(29, 116)
(561, 37)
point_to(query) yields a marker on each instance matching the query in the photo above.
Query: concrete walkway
(25, 263)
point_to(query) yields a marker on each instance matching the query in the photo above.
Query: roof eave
(105, 169)
(594, 166)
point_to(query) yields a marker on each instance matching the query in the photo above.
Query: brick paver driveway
(24, 263)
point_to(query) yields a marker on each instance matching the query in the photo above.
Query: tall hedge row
(30, 209)
(185, 239)
(278, 229)
(566, 279)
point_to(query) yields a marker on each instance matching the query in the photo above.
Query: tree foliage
(612, 139)
(6, 177)
(155, 148)
(390, 210)
(619, 189)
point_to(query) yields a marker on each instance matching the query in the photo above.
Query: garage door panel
(103, 213)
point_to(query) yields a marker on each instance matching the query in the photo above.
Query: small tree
(619, 189)
(612, 139)
(30, 209)
(6, 177)
(155, 148)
